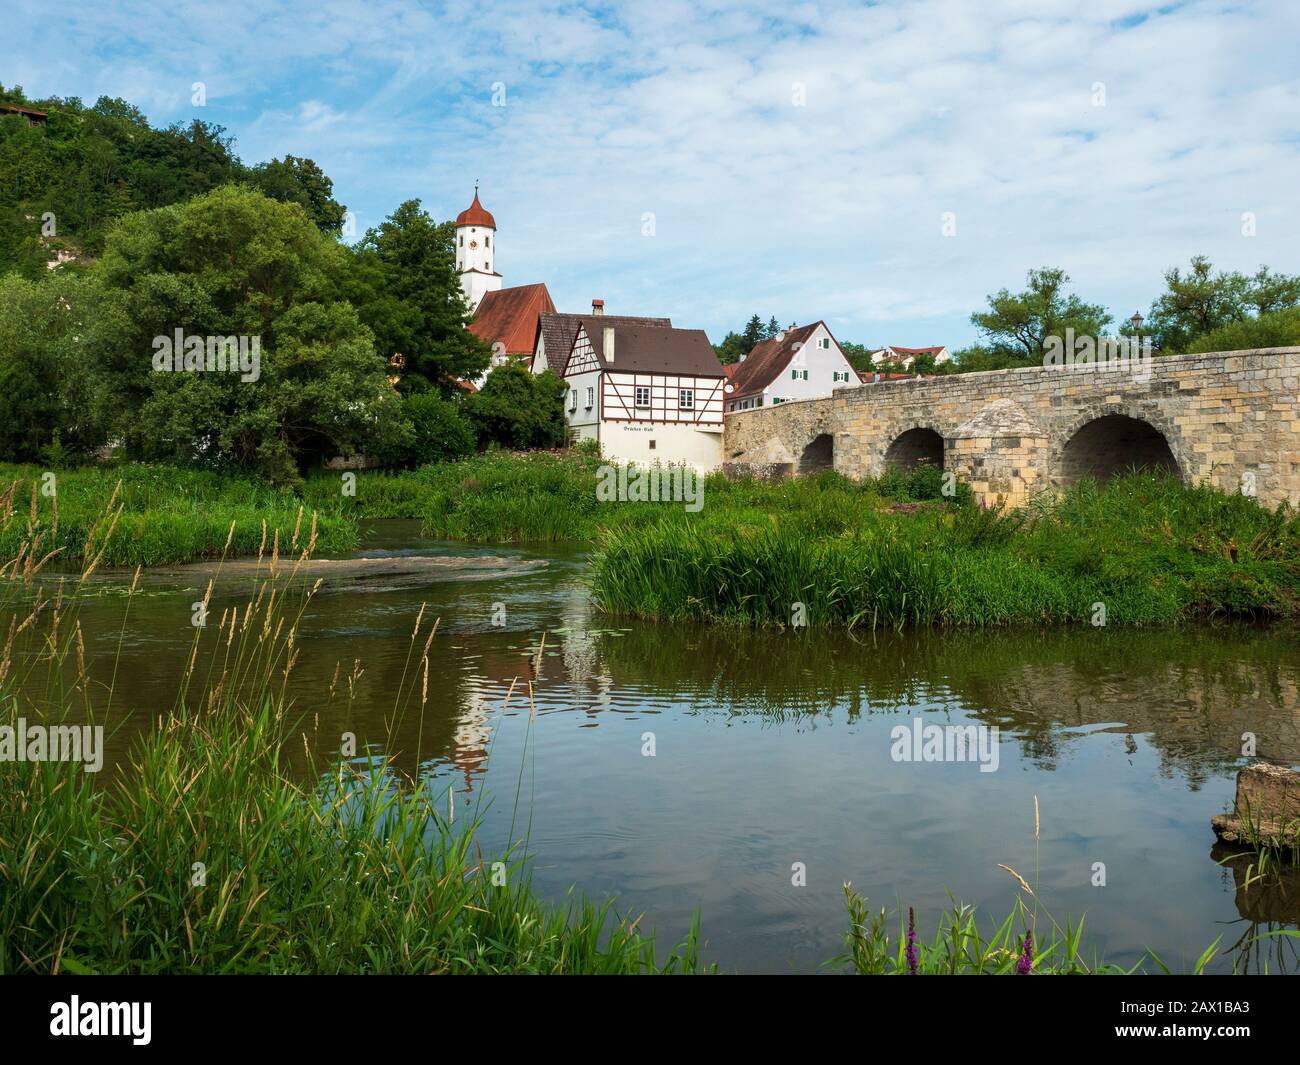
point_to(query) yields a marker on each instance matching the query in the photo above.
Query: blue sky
(798, 159)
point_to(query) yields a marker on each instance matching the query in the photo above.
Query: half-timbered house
(647, 392)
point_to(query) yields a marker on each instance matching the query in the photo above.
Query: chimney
(609, 343)
(597, 306)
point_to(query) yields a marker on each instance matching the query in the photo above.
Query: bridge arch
(1105, 441)
(818, 455)
(914, 446)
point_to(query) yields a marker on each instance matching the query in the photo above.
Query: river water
(684, 769)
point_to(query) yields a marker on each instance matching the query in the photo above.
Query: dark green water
(775, 748)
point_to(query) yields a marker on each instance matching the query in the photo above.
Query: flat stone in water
(370, 574)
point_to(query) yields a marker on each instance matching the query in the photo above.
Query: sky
(883, 167)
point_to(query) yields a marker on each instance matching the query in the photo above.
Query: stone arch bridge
(1229, 418)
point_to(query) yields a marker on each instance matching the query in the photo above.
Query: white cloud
(826, 210)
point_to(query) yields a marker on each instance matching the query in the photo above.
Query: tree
(772, 329)
(403, 280)
(46, 393)
(234, 263)
(301, 181)
(519, 409)
(753, 333)
(1017, 325)
(1199, 301)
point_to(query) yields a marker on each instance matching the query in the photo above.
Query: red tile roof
(766, 362)
(476, 215)
(729, 368)
(510, 315)
(917, 351)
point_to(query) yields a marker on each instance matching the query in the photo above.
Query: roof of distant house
(914, 351)
(30, 112)
(510, 315)
(769, 358)
(558, 330)
(652, 348)
(476, 215)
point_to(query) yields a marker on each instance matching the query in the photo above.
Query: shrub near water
(1149, 549)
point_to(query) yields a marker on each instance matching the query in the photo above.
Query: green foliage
(1198, 302)
(91, 165)
(402, 278)
(48, 385)
(357, 870)
(1152, 550)
(517, 408)
(1017, 325)
(439, 432)
(735, 346)
(301, 181)
(235, 263)
(1278, 329)
(168, 515)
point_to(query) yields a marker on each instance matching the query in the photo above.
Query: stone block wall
(1229, 418)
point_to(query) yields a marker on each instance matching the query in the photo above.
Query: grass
(1145, 549)
(208, 856)
(159, 515)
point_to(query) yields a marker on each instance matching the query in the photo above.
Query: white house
(891, 356)
(803, 362)
(647, 392)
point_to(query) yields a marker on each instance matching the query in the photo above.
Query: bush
(1280, 329)
(436, 431)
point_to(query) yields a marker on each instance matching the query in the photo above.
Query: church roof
(768, 360)
(510, 315)
(652, 348)
(559, 330)
(476, 215)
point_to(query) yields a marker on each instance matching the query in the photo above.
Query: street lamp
(1136, 322)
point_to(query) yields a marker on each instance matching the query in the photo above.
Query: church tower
(476, 252)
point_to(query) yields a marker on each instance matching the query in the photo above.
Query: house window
(487, 242)
(652, 445)
(643, 396)
(824, 343)
(591, 397)
(686, 398)
(798, 375)
(573, 399)
(487, 267)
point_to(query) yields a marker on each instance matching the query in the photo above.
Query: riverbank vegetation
(206, 849)
(1137, 550)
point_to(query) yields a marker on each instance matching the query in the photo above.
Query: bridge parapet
(1228, 418)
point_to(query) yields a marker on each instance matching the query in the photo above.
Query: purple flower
(913, 955)
(1025, 965)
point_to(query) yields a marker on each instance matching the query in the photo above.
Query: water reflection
(772, 748)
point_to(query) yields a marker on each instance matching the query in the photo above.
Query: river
(686, 769)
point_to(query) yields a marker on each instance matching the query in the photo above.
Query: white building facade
(646, 393)
(803, 362)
